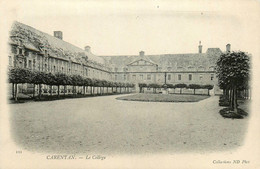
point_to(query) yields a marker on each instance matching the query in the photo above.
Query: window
(201, 76)
(141, 77)
(86, 71)
(14, 50)
(54, 68)
(211, 76)
(116, 69)
(134, 77)
(45, 66)
(34, 61)
(61, 69)
(148, 77)
(115, 77)
(190, 77)
(124, 77)
(20, 51)
(169, 68)
(169, 77)
(179, 77)
(10, 60)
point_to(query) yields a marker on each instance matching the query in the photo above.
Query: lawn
(163, 97)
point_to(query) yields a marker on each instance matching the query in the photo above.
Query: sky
(154, 26)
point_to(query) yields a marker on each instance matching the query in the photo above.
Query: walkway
(106, 125)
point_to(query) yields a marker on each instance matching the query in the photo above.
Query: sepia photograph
(129, 84)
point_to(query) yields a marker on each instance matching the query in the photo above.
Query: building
(36, 50)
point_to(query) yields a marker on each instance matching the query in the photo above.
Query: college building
(39, 51)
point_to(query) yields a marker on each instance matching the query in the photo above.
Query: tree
(181, 86)
(51, 80)
(233, 70)
(40, 78)
(61, 79)
(94, 83)
(194, 87)
(209, 87)
(141, 86)
(87, 82)
(19, 75)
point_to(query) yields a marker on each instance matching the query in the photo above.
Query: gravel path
(106, 125)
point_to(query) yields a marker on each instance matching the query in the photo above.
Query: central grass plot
(163, 98)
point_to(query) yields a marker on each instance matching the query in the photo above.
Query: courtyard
(110, 126)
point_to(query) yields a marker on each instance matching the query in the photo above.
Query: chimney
(58, 34)
(200, 47)
(141, 53)
(228, 46)
(87, 48)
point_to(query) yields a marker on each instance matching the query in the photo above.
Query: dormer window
(179, 68)
(212, 68)
(201, 68)
(20, 42)
(20, 51)
(14, 50)
(190, 68)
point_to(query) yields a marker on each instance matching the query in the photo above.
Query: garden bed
(229, 113)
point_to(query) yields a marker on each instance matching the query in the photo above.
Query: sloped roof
(30, 46)
(142, 58)
(56, 47)
(174, 61)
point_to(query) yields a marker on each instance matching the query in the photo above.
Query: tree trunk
(33, 90)
(64, 91)
(58, 91)
(235, 99)
(40, 91)
(51, 90)
(16, 92)
(231, 98)
(13, 90)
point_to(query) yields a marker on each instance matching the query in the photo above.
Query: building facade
(39, 51)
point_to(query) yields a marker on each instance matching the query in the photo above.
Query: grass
(55, 97)
(163, 98)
